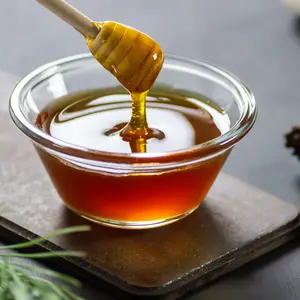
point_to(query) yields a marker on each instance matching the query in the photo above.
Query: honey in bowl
(71, 110)
(110, 162)
(87, 119)
(99, 120)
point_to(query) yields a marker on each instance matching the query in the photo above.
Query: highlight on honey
(133, 57)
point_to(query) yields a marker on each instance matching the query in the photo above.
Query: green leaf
(68, 230)
(52, 286)
(16, 287)
(71, 294)
(16, 282)
(44, 254)
(4, 275)
(50, 273)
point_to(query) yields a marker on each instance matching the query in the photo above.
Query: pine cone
(293, 140)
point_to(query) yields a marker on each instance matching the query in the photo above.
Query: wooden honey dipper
(130, 55)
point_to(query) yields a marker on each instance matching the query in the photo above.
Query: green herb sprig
(18, 282)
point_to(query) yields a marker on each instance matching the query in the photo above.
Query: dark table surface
(257, 40)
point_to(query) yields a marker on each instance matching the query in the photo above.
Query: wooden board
(236, 224)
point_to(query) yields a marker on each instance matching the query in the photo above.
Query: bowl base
(132, 224)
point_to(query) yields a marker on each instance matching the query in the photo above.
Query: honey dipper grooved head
(130, 55)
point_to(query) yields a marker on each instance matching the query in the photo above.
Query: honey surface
(89, 119)
(86, 119)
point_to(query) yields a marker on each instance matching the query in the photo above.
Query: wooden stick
(71, 15)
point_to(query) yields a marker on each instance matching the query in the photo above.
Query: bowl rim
(204, 150)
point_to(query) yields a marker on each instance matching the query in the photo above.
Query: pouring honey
(97, 120)
(135, 60)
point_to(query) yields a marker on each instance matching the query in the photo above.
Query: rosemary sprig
(50, 273)
(17, 281)
(68, 230)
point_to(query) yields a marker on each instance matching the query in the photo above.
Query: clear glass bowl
(139, 190)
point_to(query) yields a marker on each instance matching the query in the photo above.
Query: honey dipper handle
(71, 15)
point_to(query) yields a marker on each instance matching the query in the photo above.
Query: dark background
(257, 40)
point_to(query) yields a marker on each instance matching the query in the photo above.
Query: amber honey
(118, 122)
(111, 159)
(90, 120)
(135, 59)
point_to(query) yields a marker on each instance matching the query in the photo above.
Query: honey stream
(135, 60)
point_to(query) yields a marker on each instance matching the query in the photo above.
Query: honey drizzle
(135, 60)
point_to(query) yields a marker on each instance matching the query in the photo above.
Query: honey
(112, 160)
(99, 121)
(131, 56)
(87, 119)
(135, 60)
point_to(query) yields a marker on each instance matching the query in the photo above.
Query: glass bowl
(135, 190)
